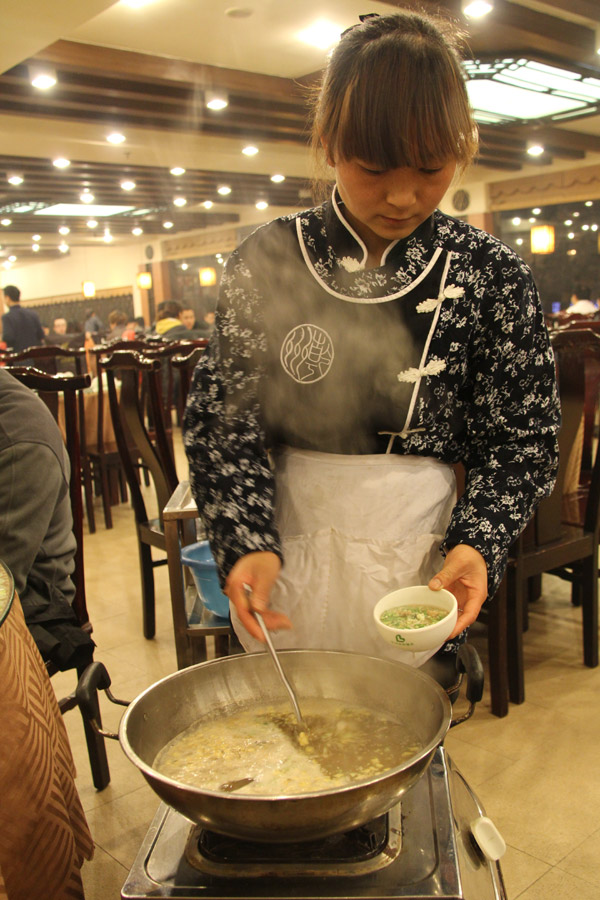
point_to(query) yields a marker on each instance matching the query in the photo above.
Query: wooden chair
(49, 387)
(184, 362)
(48, 359)
(130, 430)
(554, 542)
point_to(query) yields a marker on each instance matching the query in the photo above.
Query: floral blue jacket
(441, 351)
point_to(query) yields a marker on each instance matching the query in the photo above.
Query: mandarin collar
(350, 249)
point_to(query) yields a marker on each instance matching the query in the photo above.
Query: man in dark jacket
(21, 328)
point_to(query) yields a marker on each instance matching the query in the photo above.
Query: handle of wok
(469, 663)
(95, 678)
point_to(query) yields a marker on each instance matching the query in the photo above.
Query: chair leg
(147, 574)
(514, 612)
(497, 652)
(88, 491)
(105, 489)
(589, 603)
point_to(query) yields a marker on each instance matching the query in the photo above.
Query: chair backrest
(47, 358)
(49, 388)
(577, 355)
(128, 419)
(185, 362)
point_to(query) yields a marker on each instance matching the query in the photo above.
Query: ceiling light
(179, 201)
(585, 227)
(115, 138)
(96, 210)
(35, 248)
(137, 230)
(12, 258)
(107, 236)
(277, 178)
(571, 235)
(208, 204)
(7, 264)
(184, 266)
(177, 170)
(15, 179)
(536, 211)
(594, 227)
(516, 90)
(167, 224)
(516, 220)
(216, 100)
(88, 289)
(6, 222)
(321, 34)
(475, 9)
(64, 229)
(207, 276)
(86, 196)
(224, 190)
(519, 241)
(542, 239)
(42, 77)
(250, 150)
(61, 163)
(36, 237)
(92, 223)
(128, 185)
(535, 150)
(262, 204)
(64, 248)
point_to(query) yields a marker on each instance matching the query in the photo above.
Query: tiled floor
(537, 771)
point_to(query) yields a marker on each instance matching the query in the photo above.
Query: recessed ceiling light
(12, 258)
(262, 204)
(93, 211)
(36, 237)
(179, 201)
(7, 264)
(63, 247)
(177, 170)
(216, 100)
(250, 150)
(107, 237)
(115, 138)
(516, 220)
(42, 77)
(594, 227)
(86, 196)
(589, 202)
(128, 185)
(208, 204)
(92, 223)
(536, 211)
(568, 222)
(277, 178)
(137, 231)
(61, 163)
(475, 9)
(224, 190)
(571, 235)
(64, 229)
(184, 266)
(35, 248)
(585, 227)
(167, 224)
(15, 179)
(239, 12)
(535, 150)
(6, 222)
(321, 34)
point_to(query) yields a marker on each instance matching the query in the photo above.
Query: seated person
(36, 526)
(580, 302)
(169, 324)
(117, 324)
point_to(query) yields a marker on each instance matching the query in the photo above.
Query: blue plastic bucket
(204, 572)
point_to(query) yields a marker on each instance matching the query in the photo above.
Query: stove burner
(362, 850)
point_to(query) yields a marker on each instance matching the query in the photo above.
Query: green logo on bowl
(400, 639)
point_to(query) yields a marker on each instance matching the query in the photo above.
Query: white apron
(353, 529)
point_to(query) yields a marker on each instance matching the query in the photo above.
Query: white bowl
(416, 639)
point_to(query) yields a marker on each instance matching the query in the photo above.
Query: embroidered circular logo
(307, 354)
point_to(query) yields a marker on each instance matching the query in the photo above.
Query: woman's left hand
(465, 575)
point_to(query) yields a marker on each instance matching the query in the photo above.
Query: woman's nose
(401, 188)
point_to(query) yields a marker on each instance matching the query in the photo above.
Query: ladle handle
(275, 659)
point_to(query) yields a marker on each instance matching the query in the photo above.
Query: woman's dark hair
(393, 94)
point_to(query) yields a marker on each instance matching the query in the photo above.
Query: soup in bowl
(416, 618)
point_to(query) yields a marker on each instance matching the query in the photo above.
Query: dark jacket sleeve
(230, 474)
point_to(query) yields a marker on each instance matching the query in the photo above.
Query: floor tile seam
(534, 882)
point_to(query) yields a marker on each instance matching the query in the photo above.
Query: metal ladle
(301, 724)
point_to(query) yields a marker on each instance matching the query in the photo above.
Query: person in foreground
(362, 349)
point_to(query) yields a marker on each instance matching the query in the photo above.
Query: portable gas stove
(423, 848)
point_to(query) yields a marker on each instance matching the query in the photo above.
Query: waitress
(362, 348)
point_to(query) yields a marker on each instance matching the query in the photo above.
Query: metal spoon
(301, 724)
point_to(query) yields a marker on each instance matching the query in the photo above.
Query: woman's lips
(396, 222)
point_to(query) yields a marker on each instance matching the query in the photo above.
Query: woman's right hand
(248, 586)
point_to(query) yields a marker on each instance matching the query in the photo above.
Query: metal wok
(177, 701)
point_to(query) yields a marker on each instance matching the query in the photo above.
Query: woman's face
(384, 206)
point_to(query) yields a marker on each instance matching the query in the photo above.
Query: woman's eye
(372, 171)
(431, 171)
